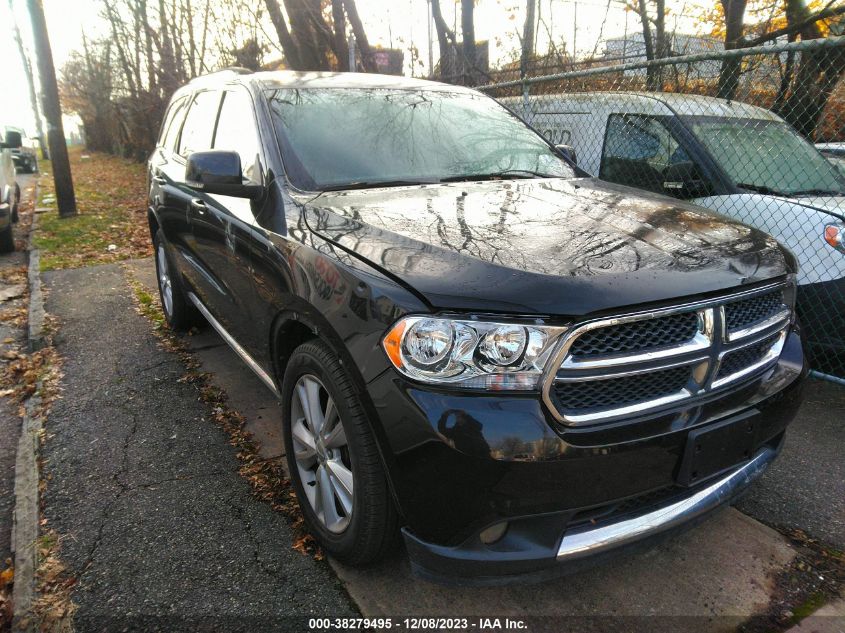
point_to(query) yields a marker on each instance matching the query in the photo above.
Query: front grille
(636, 336)
(745, 357)
(663, 357)
(747, 312)
(595, 395)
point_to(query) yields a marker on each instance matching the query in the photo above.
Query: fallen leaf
(6, 577)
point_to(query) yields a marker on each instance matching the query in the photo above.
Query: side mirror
(683, 180)
(568, 152)
(13, 140)
(219, 171)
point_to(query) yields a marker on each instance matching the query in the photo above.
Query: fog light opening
(494, 533)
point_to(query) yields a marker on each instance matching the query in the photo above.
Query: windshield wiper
(505, 173)
(370, 184)
(760, 189)
(816, 192)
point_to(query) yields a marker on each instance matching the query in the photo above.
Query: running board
(231, 342)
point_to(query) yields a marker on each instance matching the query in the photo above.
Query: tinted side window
(236, 132)
(199, 124)
(637, 150)
(173, 123)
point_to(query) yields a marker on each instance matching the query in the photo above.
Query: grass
(111, 221)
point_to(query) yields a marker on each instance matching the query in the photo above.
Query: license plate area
(713, 450)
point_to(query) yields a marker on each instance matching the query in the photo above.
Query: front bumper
(586, 544)
(461, 463)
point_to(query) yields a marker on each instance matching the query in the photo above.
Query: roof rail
(237, 70)
(240, 70)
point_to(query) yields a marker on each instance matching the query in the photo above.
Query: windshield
(338, 137)
(766, 156)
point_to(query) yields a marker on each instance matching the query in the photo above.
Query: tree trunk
(729, 72)
(341, 49)
(447, 59)
(651, 76)
(30, 81)
(468, 34)
(53, 112)
(661, 44)
(527, 37)
(360, 36)
(289, 47)
(305, 34)
(816, 76)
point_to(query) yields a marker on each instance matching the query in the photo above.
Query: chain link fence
(733, 131)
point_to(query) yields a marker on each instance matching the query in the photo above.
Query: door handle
(159, 180)
(198, 206)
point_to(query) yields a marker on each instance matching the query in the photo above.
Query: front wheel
(333, 459)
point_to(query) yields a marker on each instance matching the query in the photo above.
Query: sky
(387, 22)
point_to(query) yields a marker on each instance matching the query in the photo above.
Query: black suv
(514, 365)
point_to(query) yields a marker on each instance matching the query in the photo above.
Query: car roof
(297, 79)
(680, 104)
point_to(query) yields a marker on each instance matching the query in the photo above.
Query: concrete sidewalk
(156, 524)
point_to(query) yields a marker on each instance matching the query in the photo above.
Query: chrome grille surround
(704, 354)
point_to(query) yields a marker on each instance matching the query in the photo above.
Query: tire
(178, 311)
(17, 205)
(7, 239)
(356, 531)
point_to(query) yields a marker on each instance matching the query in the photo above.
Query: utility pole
(30, 80)
(52, 112)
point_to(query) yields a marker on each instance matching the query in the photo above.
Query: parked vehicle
(24, 155)
(740, 160)
(10, 193)
(518, 366)
(834, 153)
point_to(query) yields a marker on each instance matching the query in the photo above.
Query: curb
(25, 517)
(35, 321)
(26, 510)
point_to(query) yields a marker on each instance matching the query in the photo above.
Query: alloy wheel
(321, 453)
(164, 282)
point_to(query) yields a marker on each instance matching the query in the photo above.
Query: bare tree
(657, 44)
(528, 37)
(468, 34)
(62, 178)
(30, 80)
(815, 78)
(448, 67)
(734, 11)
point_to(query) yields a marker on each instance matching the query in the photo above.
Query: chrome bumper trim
(588, 540)
(236, 347)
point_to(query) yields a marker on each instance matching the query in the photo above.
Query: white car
(834, 153)
(10, 193)
(737, 159)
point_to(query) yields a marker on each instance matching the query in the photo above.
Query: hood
(834, 205)
(545, 246)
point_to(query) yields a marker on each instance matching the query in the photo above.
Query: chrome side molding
(589, 540)
(231, 342)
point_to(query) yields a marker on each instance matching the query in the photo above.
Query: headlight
(834, 234)
(471, 353)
